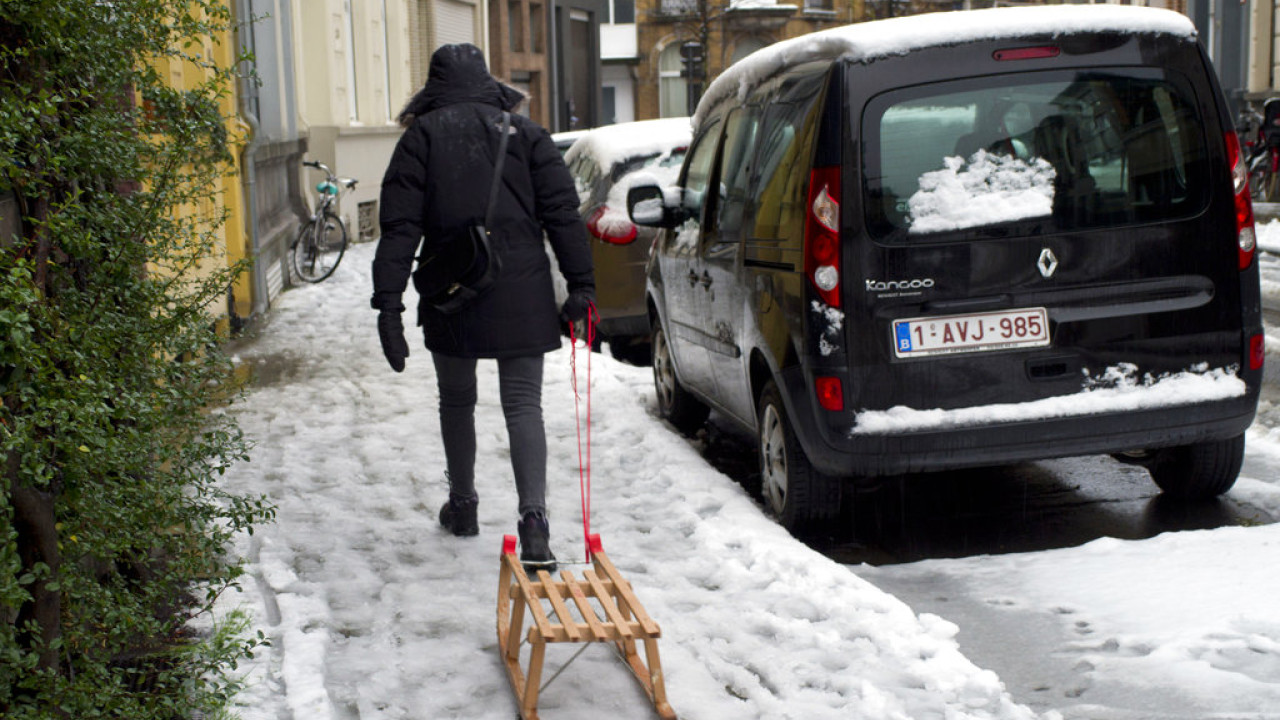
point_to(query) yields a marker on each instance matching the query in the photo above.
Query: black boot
(535, 550)
(458, 516)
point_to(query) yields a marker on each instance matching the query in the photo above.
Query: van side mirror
(650, 206)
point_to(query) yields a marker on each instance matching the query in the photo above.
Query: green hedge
(113, 529)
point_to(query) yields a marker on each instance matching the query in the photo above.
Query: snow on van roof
(610, 143)
(897, 36)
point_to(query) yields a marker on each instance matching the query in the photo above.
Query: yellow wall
(232, 240)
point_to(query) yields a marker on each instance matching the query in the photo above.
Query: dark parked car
(960, 240)
(604, 163)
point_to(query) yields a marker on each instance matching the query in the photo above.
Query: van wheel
(793, 490)
(1200, 471)
(675, 404)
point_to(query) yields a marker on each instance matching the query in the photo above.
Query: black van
(963, 239)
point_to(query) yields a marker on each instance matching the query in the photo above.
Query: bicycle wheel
(1271, 187)
(316, 254)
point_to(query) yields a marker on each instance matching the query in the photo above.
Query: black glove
(391, 333)
(576, 305)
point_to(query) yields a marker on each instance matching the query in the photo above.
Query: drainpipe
(554, 81)
(249, 156)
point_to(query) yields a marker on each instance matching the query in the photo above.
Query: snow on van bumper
(1118, 390)
(1182, 409)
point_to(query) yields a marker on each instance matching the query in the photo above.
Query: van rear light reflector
(1257, 351)
(822, 234)
(1246, 237)
(614, 232)
(830, 393)
(1027, 53)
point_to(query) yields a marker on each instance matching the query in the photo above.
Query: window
(608, 105)
(739, 141)
(788, 129)
(673, 92)
(624, 12)
(536, 20)
(353, 103)
(1072, 151)
(515, 26)
(696, 181)
(745, 47)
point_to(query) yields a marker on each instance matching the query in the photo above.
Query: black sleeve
(556, 204)
(402, 202)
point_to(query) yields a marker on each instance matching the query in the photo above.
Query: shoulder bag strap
(497, 171)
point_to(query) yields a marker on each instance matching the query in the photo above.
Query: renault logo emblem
(1048, 263)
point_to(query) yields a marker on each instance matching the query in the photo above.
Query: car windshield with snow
(958, 240)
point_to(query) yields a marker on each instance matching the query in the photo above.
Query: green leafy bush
(112, 525)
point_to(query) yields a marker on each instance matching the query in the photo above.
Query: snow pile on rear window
(610, 143)
(1116, 389)
(898, 36)
(987, 189)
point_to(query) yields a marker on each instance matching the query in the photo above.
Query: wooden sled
(615, 616)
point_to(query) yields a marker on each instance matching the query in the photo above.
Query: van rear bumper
(838, 453)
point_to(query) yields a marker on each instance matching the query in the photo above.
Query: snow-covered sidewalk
(375, 612)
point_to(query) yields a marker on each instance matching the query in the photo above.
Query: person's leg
(456, 381)
(520, 388)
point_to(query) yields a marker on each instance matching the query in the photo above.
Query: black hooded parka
(437, 184)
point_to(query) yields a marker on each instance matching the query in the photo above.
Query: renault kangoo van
(963, 239)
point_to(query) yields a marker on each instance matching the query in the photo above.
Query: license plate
(980, 332)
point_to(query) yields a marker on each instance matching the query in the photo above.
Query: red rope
(584, 468)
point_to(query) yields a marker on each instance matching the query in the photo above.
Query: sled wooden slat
(598, 631)
(557, 603)
(598, 607)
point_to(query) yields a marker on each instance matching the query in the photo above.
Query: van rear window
(1033, 153)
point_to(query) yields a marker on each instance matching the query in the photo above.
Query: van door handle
(692, 277)
(706, 280)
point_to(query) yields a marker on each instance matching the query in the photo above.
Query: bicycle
(1260, 143)
(322, 240)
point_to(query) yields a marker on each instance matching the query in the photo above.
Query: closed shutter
(455, 22)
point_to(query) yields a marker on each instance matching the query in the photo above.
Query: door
(682, 272)
(720, 262)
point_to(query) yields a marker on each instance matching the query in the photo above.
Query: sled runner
(606, 611)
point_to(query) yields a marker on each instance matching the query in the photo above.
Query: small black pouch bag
(463, 267)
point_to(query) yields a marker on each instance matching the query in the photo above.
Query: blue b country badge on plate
(904, 337)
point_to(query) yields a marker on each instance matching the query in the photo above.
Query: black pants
(520, 391)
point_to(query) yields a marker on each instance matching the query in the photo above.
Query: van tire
(675, 405)
(793, 490)
(1198, 472)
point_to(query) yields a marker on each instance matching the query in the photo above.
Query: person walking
(436, 185)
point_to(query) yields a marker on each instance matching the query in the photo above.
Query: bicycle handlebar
(319, 166)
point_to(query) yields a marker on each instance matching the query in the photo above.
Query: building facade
(674, 34)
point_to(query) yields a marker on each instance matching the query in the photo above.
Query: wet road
(1021, 508)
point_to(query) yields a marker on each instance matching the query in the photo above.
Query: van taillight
(822, 234)
(615, 232)
(1257, 351)
(1246, 236)
(830, 393)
